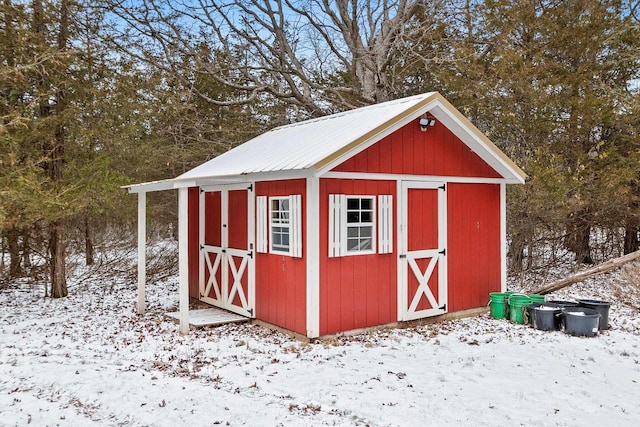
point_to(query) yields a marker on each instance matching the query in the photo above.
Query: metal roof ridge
(354, 111)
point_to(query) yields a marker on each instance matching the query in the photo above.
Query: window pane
(365, 244)
(280, 225)
(365, 231)
(366, 217)
(353, 204)
(276, 240)
(365, 204)
(352, 244)
(352, 231)
(353, 217)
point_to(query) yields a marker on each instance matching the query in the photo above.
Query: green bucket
(517, 305)
(537, 298)
(498, 304)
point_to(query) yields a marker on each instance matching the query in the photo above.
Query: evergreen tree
(550, 81)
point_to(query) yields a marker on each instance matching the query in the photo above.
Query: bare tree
(317, 55)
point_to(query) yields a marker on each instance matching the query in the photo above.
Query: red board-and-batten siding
(281, 281)
(280, 285)
(361, 290)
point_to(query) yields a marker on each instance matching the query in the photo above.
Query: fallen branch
(580, 276)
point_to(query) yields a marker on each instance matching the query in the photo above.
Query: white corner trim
(503, 237)
(183, 257)
(313, 257)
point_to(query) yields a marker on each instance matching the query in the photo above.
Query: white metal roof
(319, 144)
(302, 145)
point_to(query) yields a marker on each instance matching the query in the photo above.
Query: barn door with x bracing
(423, 263)
(226, 242)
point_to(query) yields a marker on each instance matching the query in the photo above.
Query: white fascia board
(255, 177)
(167, 184)
(174, 183)
(147, 187)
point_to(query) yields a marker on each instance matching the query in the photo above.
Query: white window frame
(273, 224)
(265, 224)
(347, 225)
(381, 223)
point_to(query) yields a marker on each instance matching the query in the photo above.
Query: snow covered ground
(89, 360)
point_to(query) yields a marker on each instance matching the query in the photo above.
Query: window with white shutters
(352, 225)
(279, 225)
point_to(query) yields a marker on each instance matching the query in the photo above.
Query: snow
(546, 308)
(89, 360)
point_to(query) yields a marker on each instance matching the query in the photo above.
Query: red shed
(382, 214)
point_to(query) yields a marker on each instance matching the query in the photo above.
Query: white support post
(503, 237)
(142, 249)
(313, 256)
(183, 257)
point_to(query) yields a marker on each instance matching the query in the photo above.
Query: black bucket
(529, 313)
(546, 316)
(581, 321)
(601, 307)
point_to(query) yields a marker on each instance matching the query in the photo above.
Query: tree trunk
(54, 147)
(516, 253)
(583, 248)
(15, 266)
(631, 243)
(578, 236)
(57, 258)
(26, 248)
(590, 272)
(88, 241)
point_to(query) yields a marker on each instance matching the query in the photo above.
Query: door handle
(402, 255)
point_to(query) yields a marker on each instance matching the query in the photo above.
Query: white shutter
(385, 224)
(295, 230)
(337, 216)
(262, 229)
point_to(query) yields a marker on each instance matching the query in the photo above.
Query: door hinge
(250, 255)
(443, 187)
(201, 190)
(250, 311)
(201, 295)
(444, 307)
(443, 252)
(402, 256)
(201, 247)
(250, 187)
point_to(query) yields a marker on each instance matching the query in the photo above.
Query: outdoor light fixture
(426, 122)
